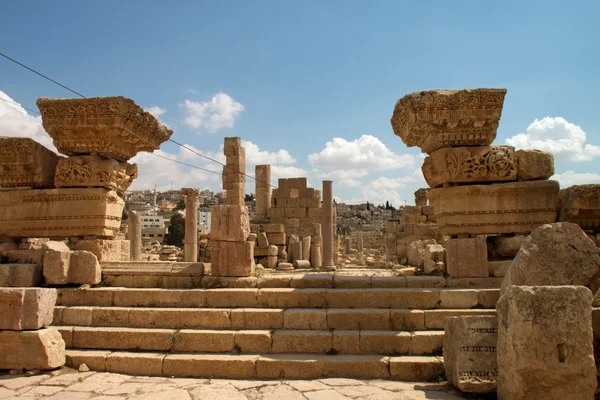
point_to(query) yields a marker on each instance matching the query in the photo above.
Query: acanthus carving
(24, 162)
(95, 171)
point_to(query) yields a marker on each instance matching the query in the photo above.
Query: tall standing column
(328, 226)
(263, 191)
(190, 241)
(134, 235)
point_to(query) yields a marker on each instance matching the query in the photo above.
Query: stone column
(134, 235)
(360, 242)
(190, 241)
(263, 191)
(348, 245)
(327, 227)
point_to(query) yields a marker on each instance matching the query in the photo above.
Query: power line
(40, 74)
(22, 106)
(189, 165)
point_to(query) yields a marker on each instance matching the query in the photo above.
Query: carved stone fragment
(580, 204)
(534, 165)
(112, 127)
(470, 165)
(512, 207)
(95, 171)
(442, 118)
(25, 162)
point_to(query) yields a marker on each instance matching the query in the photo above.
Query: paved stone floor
(72, 385)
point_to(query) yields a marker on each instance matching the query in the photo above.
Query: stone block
(356, 367)
(273, 228)
(229, 223)
(55, 245)
(26, 308)
(448, 118)
(232, 258)
(20, 275)
(225, 366)
(39, 349)
(505, 246)
(138, 364)
(545, 341)
(347, 319)
(512, 207)
(301, 341)
(385, 342)
(296, 212)
(416, 252)
(467, 258)
(262, 240)
(253, 341)
(305, 319)
(415, 369)
(533, 165)
(470, 353)
(106, 250)
(84, 268)
(554, 255)
(276, 238)
(99, 172)
(479, 164)
(56, 267)
(30, 256)
(285, 366)
(580, 204)
(25, 162)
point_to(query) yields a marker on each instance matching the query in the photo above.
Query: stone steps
(259, 318)
(260, 366)
(403, 298)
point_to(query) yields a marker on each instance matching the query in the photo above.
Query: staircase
(266, 333)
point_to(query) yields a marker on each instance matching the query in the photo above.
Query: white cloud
(16, 122)
(218, 113)
(364, 153)
(383, 189)
(570, 178)
(558, 136)
(254, 156)
(192, 91)
(281, 171)
(156, 111)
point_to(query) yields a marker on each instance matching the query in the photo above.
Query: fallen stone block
(20, 275)
(26, 308)
(106, 250)
(84, 268)
(467, 258)
(580, 204)
(39, 349)
(56, 267)
(533, 165)
(545, 341)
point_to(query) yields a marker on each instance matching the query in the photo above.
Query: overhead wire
(170, 140)
(20, 105)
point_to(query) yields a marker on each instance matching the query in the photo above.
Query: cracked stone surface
(69, 384)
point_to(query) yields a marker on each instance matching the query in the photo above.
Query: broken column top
(25, 162)
(113, 127)
(442, 118)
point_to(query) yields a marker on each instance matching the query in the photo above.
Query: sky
(310, 86)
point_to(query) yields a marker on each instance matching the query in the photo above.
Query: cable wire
(20, 105)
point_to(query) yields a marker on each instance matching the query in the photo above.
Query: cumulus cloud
(570, 178)
(156, 111)
(218, 113)
(192, 91)
(255, 156)
(283, 171)
(15, 121)
(558, 136)
(364, 153)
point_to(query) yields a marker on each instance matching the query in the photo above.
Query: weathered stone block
(533, 165)
(467, 258)
(25, 162)
(470, 165)
(56, 267)
(470, 353)
(545, 341)
(26, 309)
(95, 171)
(39, 349)
(84, 268)
(229, 223)
(20, 275)
(232, 258)
(515, 207)
(106, 250)
(276, 238)
(448, 118)
(416, 252)
(554, 255)
(580, 204)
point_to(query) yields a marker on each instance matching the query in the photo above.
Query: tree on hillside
(387, 205)
(180, 205)
(368, 206)
(176, 231)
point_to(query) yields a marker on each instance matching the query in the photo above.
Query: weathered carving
(113, 127)
(25, 162)
(443, 118)
(60, 213)
(470, 164)
(512, 207)
(580, 204)
(95, 171)
(421, 197)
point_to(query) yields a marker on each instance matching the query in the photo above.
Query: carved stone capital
(25, 162)
(191, 194)
(451, 165)
(113, 127)
(441, 118)
(95, 171)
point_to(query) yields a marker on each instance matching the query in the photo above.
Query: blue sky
(302, 82)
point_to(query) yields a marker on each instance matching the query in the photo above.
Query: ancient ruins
(489, 282)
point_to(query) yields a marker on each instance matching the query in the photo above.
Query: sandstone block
(273, 228)
(99, 172)
(26, 308)
(467, 258)
(226, 366)
(106, 250)
(232, 258)
(470, 353)
(470, 165)
(84, 268)
(554, 255)
(56, 267)
(301, 264)
(512, 207)
(417, 369)
(55, 245)
(276, 238)
(533, 165)
(416, 252)
(40, 349)
(25, 162)
(545, 343)
(580, 204)
(229, 223)
(20, 275)
(262, 240)
(434, 259)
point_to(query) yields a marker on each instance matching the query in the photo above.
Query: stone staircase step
(254, 341)
(260, 318)
(404, 298)
(259, 366)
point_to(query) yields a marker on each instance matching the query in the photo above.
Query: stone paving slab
(69, 384)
